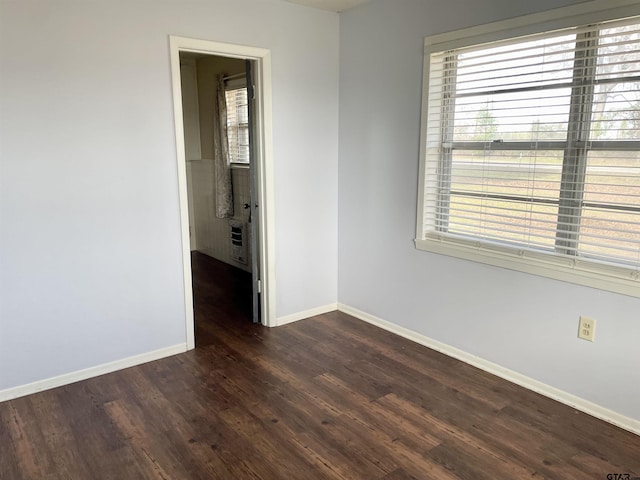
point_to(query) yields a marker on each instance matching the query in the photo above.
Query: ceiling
(331, 5)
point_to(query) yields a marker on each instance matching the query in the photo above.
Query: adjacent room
(213, 90)
(377, 239)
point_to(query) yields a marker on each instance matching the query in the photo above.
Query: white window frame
(230, 85)
(575, 270)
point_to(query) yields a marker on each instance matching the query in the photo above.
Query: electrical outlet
(587, 329)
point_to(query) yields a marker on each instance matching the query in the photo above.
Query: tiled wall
(212, 235)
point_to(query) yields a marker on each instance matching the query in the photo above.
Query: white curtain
(221, 167)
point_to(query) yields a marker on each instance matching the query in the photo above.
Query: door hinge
(259, 286)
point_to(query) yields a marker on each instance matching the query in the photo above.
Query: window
(238, 125)
(531, 155)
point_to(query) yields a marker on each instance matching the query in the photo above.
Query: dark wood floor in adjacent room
(325, 398)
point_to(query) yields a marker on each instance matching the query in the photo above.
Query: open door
(253, 217)
(261, 229)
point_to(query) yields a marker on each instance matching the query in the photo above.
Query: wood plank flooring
(325, 398)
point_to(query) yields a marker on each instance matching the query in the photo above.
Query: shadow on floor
(221, 294)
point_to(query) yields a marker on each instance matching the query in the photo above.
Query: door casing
(263, 168)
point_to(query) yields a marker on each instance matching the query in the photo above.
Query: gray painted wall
(520, 321)
(90, 255)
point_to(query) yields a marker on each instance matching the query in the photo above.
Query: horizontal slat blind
(238, 125)
(535, 143)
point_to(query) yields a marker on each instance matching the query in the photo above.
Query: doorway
(238, 246)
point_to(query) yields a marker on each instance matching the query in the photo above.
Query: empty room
(332, 239)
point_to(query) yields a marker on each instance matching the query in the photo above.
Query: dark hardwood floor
(329, 397)
(222, 295)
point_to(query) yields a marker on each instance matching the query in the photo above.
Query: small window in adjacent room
(238, 124)
(531, 152)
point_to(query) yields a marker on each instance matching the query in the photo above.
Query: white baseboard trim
(67, 378)
(294, 317)
(561, 396)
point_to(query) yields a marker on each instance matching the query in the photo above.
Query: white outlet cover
(587, 329)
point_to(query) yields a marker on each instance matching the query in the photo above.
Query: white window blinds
(238, 125)
(533, 145)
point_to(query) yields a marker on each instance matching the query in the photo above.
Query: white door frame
(263, 170)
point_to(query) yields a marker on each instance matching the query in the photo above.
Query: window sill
(590, 274)
(239, 166)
